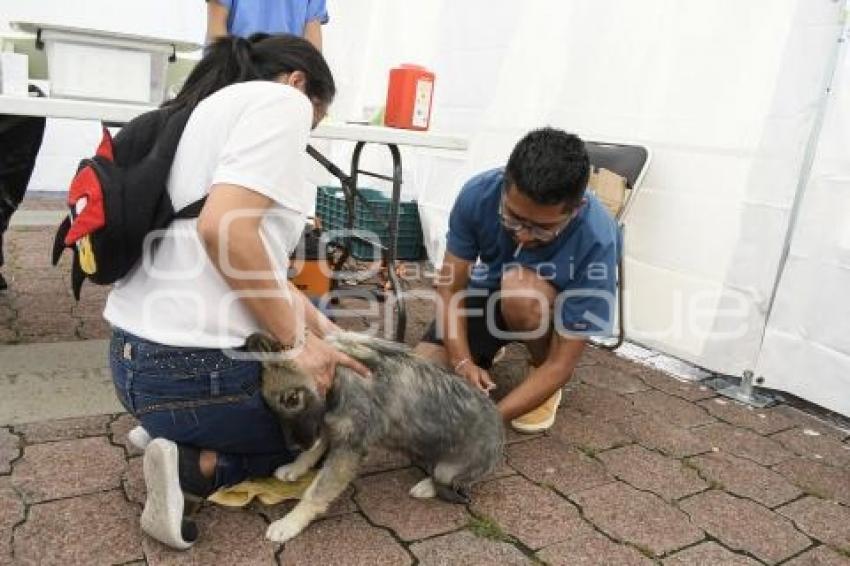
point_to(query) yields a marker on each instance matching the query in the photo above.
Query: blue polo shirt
(246, 17)
(580, 263)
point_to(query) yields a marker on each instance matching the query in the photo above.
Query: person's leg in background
(20, 140)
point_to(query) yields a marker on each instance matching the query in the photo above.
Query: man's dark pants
(20, 140)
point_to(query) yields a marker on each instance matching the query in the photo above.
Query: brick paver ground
(639, 469)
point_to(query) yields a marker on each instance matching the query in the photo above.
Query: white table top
(122, 113)
(67, 108)
(33, 27)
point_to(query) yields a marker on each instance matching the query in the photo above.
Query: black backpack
(119, 196)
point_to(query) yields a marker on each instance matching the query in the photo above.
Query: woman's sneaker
(540, 419)
(139, 437)
(162, 517)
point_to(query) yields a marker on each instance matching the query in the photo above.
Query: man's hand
(477, 376)
(319, 359)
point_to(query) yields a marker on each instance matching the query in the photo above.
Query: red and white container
(409, 97)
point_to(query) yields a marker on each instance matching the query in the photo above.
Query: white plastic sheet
(806, 348)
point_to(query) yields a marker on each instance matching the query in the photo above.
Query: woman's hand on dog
(477, 376)
(319, 359)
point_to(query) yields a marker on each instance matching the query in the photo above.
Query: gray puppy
(444, 425)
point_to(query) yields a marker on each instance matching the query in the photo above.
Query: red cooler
(409, 97)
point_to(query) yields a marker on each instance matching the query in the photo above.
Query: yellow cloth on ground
(269, 491)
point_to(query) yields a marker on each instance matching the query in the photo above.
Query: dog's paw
(425, 489)
(284, 529)
(290, 472)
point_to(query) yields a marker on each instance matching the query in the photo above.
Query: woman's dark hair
(230, 60)
(550, 166)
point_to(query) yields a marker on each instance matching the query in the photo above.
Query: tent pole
(745, 392)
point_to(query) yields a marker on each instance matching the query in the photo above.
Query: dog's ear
(263, 343)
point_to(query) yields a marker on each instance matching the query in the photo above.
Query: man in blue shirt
(531, 257)
(245, 17)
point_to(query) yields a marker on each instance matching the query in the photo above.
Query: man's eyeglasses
(538, 233)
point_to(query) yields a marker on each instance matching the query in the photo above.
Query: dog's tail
(365, 348)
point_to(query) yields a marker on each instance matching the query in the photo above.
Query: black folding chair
(630, 162)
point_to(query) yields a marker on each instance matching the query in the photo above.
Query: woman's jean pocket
(194, 396)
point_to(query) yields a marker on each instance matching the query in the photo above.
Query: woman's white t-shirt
(249, 134)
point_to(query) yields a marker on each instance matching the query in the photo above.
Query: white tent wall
(806, 348)
(723, 92)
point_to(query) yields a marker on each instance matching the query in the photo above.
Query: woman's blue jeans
(202, 398)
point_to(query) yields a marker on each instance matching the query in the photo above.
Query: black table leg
(392, 245)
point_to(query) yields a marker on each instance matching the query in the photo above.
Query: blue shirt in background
(581, 261)
(246, 17)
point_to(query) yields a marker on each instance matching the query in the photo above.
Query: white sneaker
(139, 437)
(162, 517)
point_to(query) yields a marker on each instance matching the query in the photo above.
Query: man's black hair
(549, 166)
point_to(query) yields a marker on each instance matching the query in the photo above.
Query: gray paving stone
(826, 521)
(385, 500)
(745, 526)
(607, 378)
(672, 409)
(6, 547)
(817, 479)
(601, 403)
(536, 516)
(745, 478)
(654, 432)
(668, 384)
(816, 446)
(11, 513)
(650, 471)
(101, 528)
(382, 460)
(343, 505)
(63, 429)
(118, 433)
(226, 536)
(804, 420)
(708, 554)
(133, 480)
(637, 517)
(512, 436)
(550, 462)
(744, 443)
(590, 549)
(9, 449)
(820, 556)
(344, 540)
(68, 468)
(587, 432)
(763, 421)
(465, 548)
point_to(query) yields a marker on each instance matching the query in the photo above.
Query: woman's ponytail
(230, 60)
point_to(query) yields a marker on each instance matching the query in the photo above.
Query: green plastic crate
(331, 210)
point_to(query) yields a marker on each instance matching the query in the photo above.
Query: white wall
(67, 141)
(169, 19)
(806, 347)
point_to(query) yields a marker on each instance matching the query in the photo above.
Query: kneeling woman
(181, 317)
